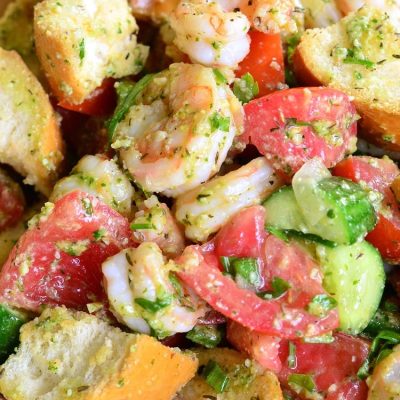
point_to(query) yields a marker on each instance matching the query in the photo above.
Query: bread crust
(31, 139)
(380, 122)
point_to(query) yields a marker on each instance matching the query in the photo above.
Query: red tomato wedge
(378, 174)
(333, 365)
(58, 261)
(100, 103)
(285, 316)
(12, 202)
(264, 62)
(292, 126)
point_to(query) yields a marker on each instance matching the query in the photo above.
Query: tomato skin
(100, 103)
(334, 363)
(350, 390)
(243, 235)
(284, 317)
(378, 174)
(268, 119)
(12, 202)
(38, 272)
(265, 61)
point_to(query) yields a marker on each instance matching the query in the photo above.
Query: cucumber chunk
(355, 277)
(334, 208)
(10, 322)
(282, 211)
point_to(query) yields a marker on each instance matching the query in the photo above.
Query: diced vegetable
(335, 209)
(208, 336)
(216, 377)
(355, 277)
(10, 322)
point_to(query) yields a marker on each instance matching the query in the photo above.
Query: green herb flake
(321, 304)
(154, 306)
(299, 382)
(279, 288)
(219, 77)
(219, 122)
(144, 226)
(128, 94)
(245, 88)
(208, 336)
(81, 47)
(99, 234)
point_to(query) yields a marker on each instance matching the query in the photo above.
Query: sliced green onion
(176, 284)
(208, 336)
(219, 76)
(363, 371)
(292, 360)
(321, 304)
(153, 306)
(246, 88)
(328, 338)
(248, 270)
(302, 381)
(279, 288)
(127, 97)
(215, 376)
(226, 264)
(142, 226)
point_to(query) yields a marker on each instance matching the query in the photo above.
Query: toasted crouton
(80, 43)
(16, 32)
(247, 381)
(30, 139)
(74, 355)
(360, 55)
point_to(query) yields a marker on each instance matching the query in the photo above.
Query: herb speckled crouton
(74, 355)
(81, 42)
(359, 55)
(30, 139)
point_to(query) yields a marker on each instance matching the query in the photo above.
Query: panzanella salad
(199, 199)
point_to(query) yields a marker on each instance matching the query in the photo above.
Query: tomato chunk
(285, 316)
(333, 365)
(378, 174)
(100, 103)
(12, 202)
(292, 126)
(264, 61)
(58, 261)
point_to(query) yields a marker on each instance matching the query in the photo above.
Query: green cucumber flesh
(355, 277)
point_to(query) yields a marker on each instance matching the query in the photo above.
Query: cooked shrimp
(391, 7)
(384, 383)
(206, 208)
(100, 177)
(154, 222)
(180, 132)
(209, 35)
(145, 294)
(271, 16)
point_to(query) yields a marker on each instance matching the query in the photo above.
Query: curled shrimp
(145, 294)
(205, 209)
(384, 383)
(101, 177)
(209, 35)
(179, 133)
(154, 222)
